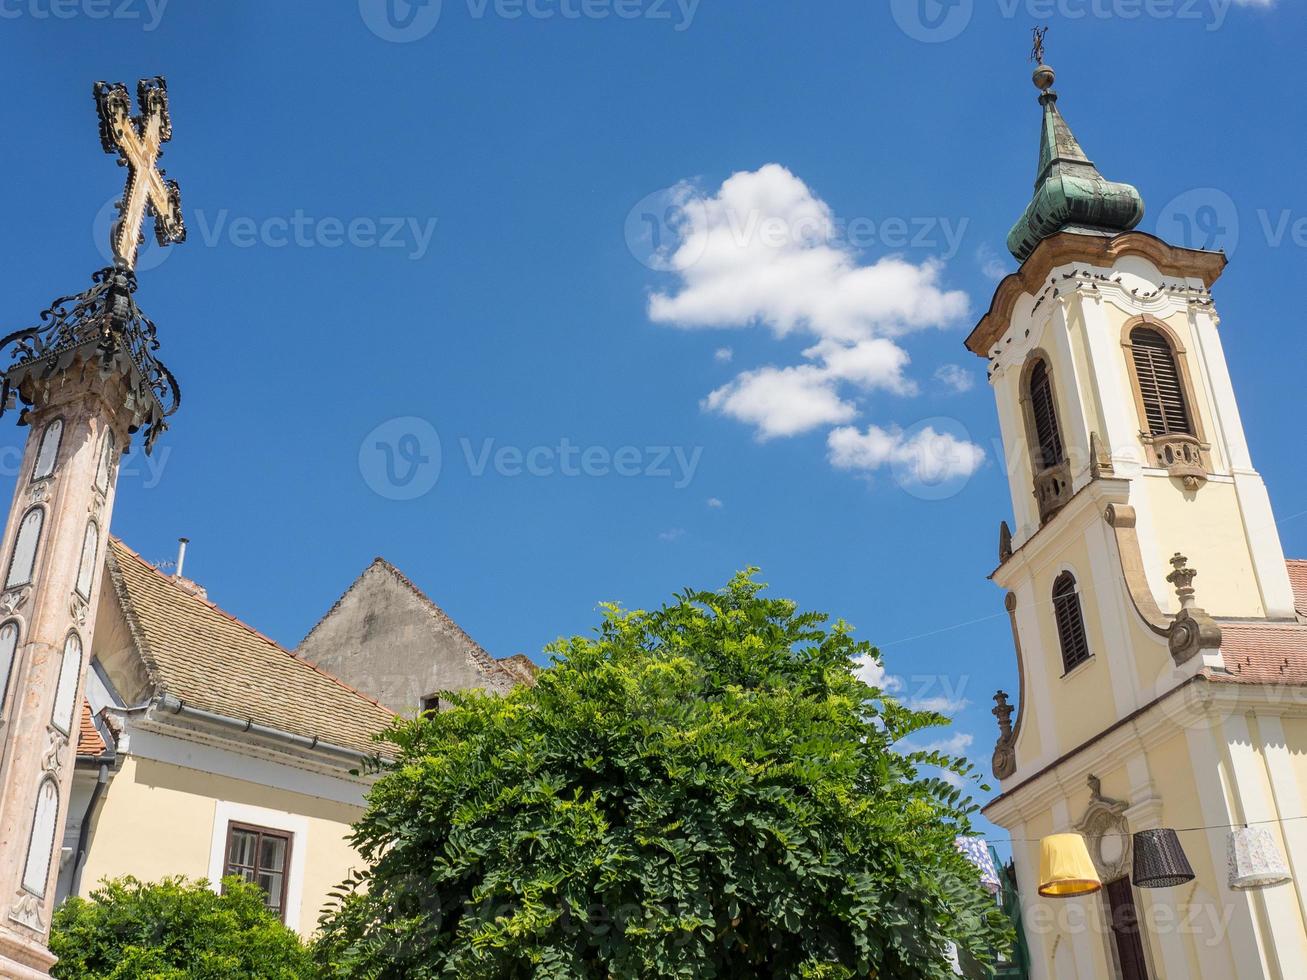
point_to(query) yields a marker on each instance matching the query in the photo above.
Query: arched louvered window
(1070, 621)
(1048, 453)
(1161, 389)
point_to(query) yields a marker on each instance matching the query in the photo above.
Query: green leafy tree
(175, 930)
(706, 790)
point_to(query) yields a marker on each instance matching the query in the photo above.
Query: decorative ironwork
(138, 141)
(106, 317)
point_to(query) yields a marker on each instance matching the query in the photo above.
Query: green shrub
(706, 790)
(174, 930)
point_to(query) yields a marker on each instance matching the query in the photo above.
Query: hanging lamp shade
(1160, 861)
(975, 850)
(1254, 860)
(1065, 870)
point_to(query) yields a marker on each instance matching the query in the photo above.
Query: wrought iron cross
(1037, 52)
(138, 142)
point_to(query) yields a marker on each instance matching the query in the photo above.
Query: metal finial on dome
(1044, 75)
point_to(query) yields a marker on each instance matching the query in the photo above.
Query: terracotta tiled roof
(1298, 579)
(209, 659)
(522, 667)
(1263, 653)
(90, 743)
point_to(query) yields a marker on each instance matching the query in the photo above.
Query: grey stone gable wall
(388, 640)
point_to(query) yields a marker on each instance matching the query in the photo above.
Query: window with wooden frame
(1048, 450)
(1161, 388)
(1070, 622)
(260, 855)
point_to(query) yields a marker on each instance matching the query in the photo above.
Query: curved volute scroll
(1192, 630)
(1121, 518)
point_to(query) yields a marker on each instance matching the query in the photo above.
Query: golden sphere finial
(1044, 77)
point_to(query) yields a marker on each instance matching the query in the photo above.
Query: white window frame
(297, 826)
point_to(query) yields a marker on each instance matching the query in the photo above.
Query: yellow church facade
(1161, 643)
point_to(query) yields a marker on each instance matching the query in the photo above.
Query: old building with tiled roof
(204, 747)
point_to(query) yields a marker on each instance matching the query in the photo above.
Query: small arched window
(1070, 622)
(23, 562)
(40, 846)
(1048, 450)
(108, 454)
(1161, 389)
(86, 570)
(8, 655)
(48, 452)
(65, 694)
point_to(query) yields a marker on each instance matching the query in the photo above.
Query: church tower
(1162, 658)
(86, 378)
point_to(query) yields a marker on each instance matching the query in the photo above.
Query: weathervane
(138, 142)
(1037, 52)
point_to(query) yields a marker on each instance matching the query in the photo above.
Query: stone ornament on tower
(87, 378)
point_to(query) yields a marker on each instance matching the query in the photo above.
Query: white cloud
(956, 377)
(872, 672)
(715, 503)
(955, 744)
(926, 457)
(941, 704)
(723, 355)
(991, 265)
(787, 401)
(764, 250)
(671, 534)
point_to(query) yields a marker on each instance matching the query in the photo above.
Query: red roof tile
(1298, 579)
(1263, 653)
(90, 743)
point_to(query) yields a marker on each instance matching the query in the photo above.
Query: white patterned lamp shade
(1254, 860)
(975, 850)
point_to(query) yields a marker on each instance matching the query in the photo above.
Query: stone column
(53, 554)
(89, 379)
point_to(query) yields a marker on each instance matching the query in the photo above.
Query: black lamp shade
(1159, 860)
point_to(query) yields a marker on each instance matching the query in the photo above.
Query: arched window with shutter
(1047, 451)
(1161, 387)
(1070, 622)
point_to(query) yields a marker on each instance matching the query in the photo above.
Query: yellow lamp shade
(1065, 869)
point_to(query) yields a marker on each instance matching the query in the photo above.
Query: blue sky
(423, 249)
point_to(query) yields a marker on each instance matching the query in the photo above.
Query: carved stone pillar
(89, 379)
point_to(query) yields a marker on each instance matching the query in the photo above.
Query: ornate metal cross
(138, 142)
(1037, 52)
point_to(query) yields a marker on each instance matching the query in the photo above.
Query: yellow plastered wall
(1076, 699)
(157, 820)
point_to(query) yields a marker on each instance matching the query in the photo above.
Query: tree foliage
(175, 930)
(705, 790)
